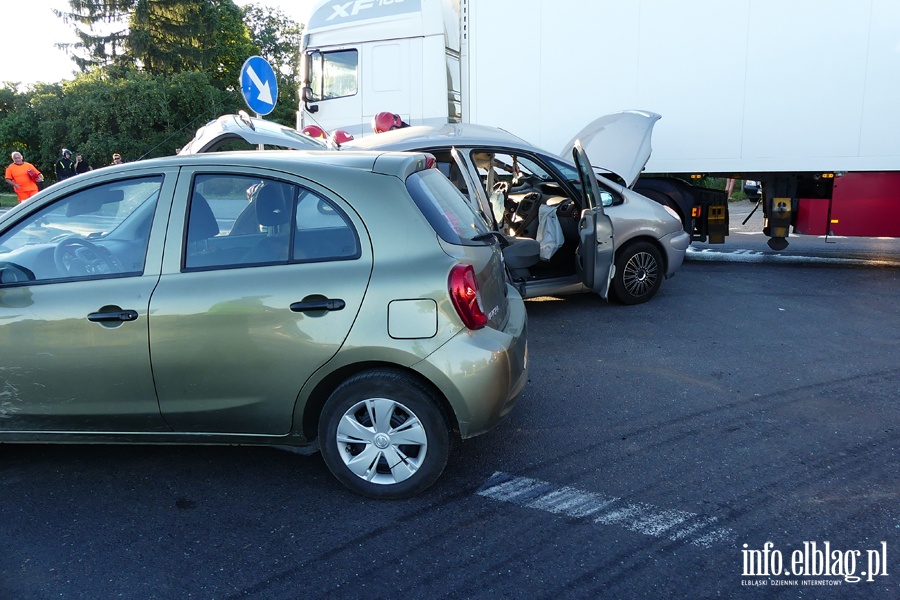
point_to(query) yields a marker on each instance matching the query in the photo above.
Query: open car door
(480, 203)
(595, 264)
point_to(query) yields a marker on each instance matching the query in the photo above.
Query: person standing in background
(81, 165)
(23, 177)
(64, 165)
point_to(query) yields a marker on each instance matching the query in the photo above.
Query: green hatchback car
(351, 301)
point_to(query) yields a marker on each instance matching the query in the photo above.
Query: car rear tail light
(466, 296)
(430, 161)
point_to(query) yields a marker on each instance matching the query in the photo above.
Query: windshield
(570, 174)
(332, 74)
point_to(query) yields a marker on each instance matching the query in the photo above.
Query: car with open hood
(571, 226)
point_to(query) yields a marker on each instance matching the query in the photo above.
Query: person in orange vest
(23, 176)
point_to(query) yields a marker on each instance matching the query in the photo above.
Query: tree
(161, 37)
(278, 39)
(19, 125)
(277, 35)
(137, 114)
(153, 72)
(102, 31)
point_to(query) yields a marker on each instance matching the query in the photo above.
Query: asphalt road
(655, 451)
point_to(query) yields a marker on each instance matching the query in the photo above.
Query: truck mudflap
(717, 223)
(703, 211)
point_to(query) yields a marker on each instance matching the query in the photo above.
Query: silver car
(564, 236)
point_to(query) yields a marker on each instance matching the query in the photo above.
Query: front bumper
(675, 246)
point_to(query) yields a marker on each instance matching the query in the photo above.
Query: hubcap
(640, 274)
(382, 441)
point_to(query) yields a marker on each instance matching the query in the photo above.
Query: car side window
(239, 221)
(324, 232)
(447, 165)
(99, 232)
(446, 210)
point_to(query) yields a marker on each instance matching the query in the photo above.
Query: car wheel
(383, 435)
(639, 273)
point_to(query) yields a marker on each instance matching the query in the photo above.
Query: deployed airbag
(549, 233)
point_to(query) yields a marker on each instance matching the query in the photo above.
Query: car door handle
(119, 315)
(325, 304)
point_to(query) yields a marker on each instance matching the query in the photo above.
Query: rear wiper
(493, 234)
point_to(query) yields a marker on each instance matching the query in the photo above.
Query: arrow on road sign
(265, 93)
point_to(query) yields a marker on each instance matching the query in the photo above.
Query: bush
(119, 110)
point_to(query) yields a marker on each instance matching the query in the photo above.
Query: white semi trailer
(800, 95)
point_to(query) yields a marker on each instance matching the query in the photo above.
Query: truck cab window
(333, 74)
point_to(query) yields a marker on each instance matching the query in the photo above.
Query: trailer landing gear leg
(778, 223)
(778, 207)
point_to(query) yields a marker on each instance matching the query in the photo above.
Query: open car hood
(253, 131)
(618, 143)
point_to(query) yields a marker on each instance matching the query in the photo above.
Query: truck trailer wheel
(639, 273)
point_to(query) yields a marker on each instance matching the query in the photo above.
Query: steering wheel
(75, 256)
(521, 218)
(502, 188)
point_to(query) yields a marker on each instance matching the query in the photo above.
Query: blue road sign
(258, 85)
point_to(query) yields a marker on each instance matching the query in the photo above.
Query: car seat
(273, 213)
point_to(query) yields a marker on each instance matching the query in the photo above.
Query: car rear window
(448, 212)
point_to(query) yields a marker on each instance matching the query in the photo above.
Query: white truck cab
(364, 57)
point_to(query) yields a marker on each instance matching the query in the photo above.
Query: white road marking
(756, 256)
(676, 525)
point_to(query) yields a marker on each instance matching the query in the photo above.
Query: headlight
(672, 212)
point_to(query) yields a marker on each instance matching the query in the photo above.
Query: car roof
(450, 134)
(304, 163)
(251, 130)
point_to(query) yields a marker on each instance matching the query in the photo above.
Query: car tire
(639, 273)
(363, 426)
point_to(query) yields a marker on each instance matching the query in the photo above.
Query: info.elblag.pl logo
(813, 560)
